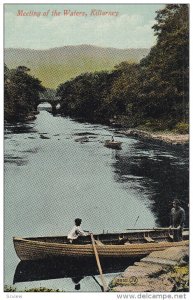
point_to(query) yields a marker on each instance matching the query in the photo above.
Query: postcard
(96, 149)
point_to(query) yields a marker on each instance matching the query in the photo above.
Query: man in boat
(177, 220)
(76, 231)
(112, 139)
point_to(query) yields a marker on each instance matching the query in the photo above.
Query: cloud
(123, 31)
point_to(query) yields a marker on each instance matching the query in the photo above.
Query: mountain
(56, 65)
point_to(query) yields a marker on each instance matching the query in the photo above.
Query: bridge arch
(49, 96)
(44, 106)
(51, 105)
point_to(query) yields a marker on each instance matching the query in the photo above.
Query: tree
(165, 71)
(84, 96)
(21, 93)
(125, 89)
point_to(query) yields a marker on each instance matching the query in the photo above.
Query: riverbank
(167, 138)
(11, 288)
(31, 116)
(160, 271)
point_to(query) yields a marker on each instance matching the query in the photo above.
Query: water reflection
(77, 280)
(74, 268)
(19, 161)
(158, 173)
(12, 131)
(18, 128)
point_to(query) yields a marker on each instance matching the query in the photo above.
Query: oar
(136, 221)
(105, 288)
(97, 282)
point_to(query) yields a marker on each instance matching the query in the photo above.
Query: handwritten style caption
(66, 13)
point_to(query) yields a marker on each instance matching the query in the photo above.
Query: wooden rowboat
(113, 144)
(129, 244)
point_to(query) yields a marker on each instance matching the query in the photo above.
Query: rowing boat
(134, 244)
(113, 144)
(83, 139)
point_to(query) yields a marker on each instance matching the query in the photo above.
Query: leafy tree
(83, 96)
(21, 93)
(165, 71)
(125, 89)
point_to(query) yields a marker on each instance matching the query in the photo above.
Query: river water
(50, 179)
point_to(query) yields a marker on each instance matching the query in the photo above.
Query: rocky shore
(169, 138)
(160, 271)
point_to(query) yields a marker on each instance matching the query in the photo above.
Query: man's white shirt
(75, 232)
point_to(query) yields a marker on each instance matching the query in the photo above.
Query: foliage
(101, 95)
(42, 289)
(125, 88)
(21, 93)
(8, 288)
(165, 71)
(85, 95)
(39, 289)
(182, 128)
(180, 275)
(157, 124)
(154, 91)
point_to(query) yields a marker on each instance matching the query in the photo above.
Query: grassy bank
(32, 290)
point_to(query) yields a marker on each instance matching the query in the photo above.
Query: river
(50, 179)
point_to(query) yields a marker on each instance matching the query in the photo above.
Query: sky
(130, 28)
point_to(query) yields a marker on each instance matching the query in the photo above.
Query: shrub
(39, 289)
(157, 124)
(182, 128)
(8, 289)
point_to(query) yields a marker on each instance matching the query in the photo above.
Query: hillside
(56, 65)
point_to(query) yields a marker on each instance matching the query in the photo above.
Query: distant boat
(135, 244)
(44, 137)
(83, 139)
(113, 144)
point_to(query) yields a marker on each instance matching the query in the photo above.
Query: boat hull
(113, 145)
(36, 250)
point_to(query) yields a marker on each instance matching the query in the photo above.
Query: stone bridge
(50, 97)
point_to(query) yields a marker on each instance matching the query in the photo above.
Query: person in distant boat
(177, 220)
(76, 231)
(112, 139)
